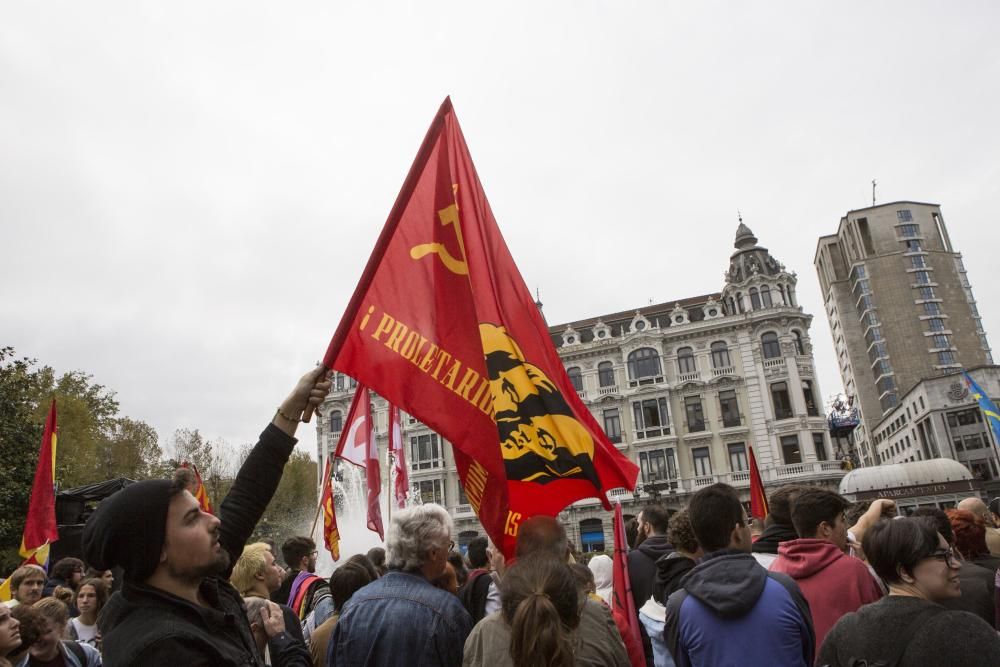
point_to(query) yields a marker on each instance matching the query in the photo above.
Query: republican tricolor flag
(331, 534)
(442, 325)
(358, 446)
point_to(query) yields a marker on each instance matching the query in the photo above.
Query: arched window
(720, 355)
(575, 378)
(769, 345)
(336, 422)
(765, 296)
(644, 362)
(754, 299)
(800, 348)
(685, 361)
(606, 374)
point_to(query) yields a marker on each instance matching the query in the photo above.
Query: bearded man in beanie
(176, 606)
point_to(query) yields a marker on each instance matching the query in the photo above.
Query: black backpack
(906, 636)
(77, 650)
(473, 594)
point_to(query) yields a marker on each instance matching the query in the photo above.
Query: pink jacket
(831, 581)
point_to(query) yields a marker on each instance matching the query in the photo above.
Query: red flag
(40, 528)
(402, 485)
(758, 499)
(443, 326)
(200, 493)
(331, 535)
(358, 445)
(622, 601)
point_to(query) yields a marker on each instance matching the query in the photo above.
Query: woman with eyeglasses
(907, 627)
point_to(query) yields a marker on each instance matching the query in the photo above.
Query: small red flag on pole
(758, 499)
(621, 599)
(358, 446)
(40, 528)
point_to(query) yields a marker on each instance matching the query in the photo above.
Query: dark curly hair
(680, 534)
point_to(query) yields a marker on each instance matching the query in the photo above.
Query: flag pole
(319, 507)
(354, 305)
(328, 468)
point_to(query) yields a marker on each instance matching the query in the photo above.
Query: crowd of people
(821, 581)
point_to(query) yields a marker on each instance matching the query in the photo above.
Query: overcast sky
(189, 190)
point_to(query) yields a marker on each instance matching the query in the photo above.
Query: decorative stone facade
(682, 388)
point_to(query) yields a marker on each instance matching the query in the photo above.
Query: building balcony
(776, 363)
(721, 372)
(689, 377)
(655, 379)
(606, 391)
(462, 511)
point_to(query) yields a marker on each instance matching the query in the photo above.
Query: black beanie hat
(128, 529)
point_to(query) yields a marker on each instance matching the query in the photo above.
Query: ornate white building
(681, 388)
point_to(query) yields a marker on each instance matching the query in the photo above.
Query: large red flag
(622, 601)
(331, 535)
(40, 528)
(402, 485)
(443, 326)
(758, 499)
(358, 445)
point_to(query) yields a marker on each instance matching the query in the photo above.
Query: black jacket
(670, 570)
(978, 590)
(642, 566)
(641, 572)
(875, 632)
(142, 625)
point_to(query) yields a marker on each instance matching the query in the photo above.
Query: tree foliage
(97, 443)
(20, 437)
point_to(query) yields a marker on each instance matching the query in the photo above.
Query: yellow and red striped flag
(331, 535)
(758, 499)
(200, 493)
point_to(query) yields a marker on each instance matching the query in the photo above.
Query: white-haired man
(402, 617)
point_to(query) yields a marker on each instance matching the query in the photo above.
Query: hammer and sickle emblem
(447, 216)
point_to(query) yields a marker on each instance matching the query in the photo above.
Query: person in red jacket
(832, 582)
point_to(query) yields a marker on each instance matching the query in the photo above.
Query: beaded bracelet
(284, 416)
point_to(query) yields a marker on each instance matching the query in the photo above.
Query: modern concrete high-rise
(900, 307)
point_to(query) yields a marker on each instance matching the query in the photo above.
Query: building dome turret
(755, 279)
(744, 237)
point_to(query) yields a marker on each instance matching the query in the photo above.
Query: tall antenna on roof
(739, 215)
(873, 191)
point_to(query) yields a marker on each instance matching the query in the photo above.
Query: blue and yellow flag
(985, 404)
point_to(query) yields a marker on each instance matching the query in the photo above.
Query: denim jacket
(400, 619)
